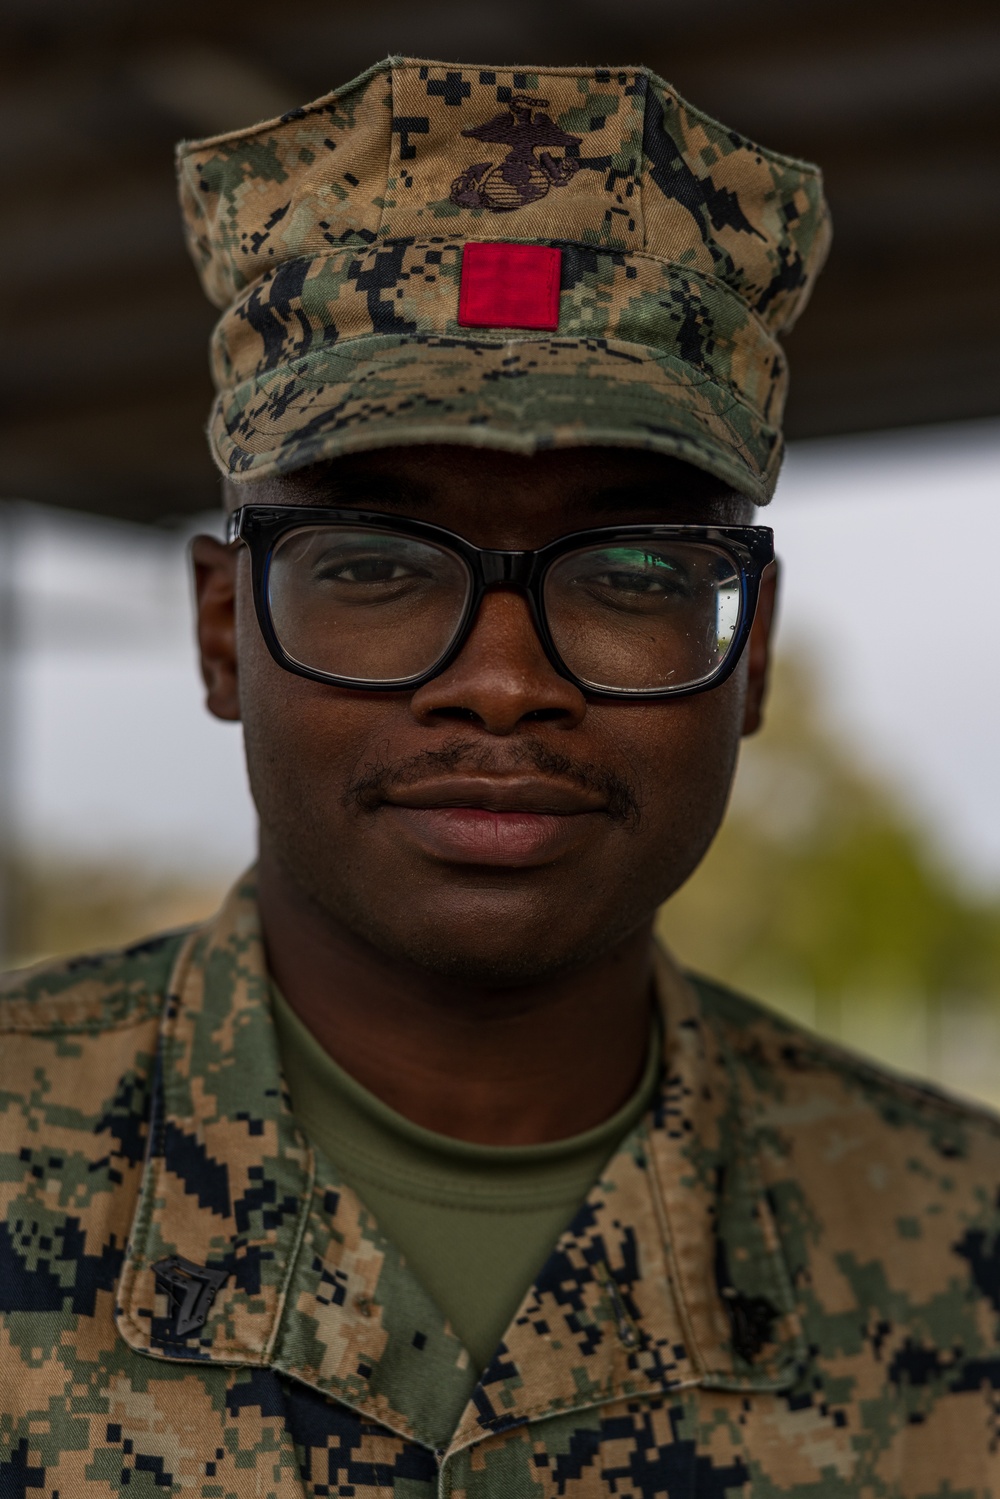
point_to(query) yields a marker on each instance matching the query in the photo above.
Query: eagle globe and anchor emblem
(522, 177)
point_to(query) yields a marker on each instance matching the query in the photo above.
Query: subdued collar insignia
(190, 1290)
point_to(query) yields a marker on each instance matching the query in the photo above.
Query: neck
(517, 1066)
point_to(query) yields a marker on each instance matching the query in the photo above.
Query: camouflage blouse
(785, 1282)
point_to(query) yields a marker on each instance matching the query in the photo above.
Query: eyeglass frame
(260, 527)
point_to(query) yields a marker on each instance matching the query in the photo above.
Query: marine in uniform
(419, 1169)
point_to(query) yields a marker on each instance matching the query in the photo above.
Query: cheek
(682, 757)
(692, 740)
(305, 745)
(303, 741)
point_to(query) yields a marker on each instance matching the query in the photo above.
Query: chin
(503, 954)
(471, 961)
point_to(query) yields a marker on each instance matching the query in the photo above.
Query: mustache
(380, 779)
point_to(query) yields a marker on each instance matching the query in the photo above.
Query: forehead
(486, 494)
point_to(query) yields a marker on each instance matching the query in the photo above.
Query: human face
(495, 824)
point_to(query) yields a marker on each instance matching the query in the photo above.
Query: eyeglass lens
(368, 604)
(378, 606)
(644, 615)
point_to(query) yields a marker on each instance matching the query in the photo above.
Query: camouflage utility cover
(785, 1283)
(333, 239)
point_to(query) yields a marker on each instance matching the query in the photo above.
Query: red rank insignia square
(509, 286)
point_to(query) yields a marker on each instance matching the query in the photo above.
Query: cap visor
(521, 395)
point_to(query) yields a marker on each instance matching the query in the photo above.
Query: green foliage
(66, 906)
(823, 893)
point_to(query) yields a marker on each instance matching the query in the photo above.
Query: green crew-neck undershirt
(475, 1223)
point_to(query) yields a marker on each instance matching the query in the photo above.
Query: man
(419, 1170)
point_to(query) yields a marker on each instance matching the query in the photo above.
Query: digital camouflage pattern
(333, 239)
(786, 1282)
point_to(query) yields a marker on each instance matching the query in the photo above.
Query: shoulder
(784, 1061)
(78, 1041)
(91, 992)
(884, 1189)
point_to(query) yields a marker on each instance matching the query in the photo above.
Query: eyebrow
(652, 495)
(622, 496)
(368, 489)
(386, 489)
(405, 495)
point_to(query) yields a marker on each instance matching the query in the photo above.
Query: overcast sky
(891, 546)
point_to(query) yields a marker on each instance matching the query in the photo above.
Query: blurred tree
(66, 906)
(825, 897)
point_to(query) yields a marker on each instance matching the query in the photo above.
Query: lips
(508, 822)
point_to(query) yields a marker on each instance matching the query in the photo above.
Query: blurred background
(856, 884)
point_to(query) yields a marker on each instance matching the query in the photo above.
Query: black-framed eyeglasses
(380, 603)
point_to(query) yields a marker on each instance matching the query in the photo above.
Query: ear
(759, 649)
(215, 595)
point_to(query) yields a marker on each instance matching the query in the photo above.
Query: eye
(373, 568)
(638, 573)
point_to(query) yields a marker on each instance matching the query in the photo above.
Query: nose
(501, 678)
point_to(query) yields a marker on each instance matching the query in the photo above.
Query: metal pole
(8, 734)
